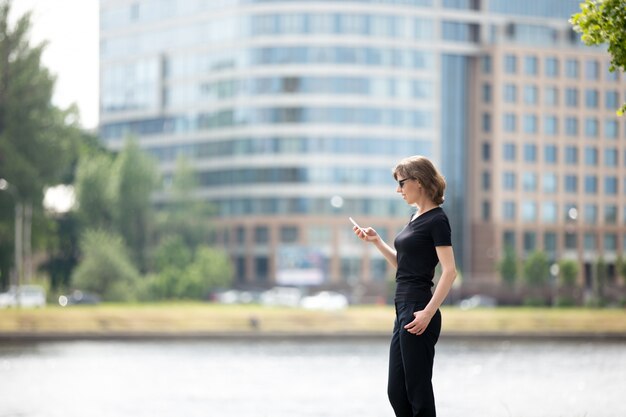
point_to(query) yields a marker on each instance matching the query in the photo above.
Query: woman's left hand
(420, 323)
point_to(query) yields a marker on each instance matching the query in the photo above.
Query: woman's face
(409, 188)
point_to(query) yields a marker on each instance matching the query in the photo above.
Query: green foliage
(599, 281)
(568, 272)
(95, 192)
(134, 179)
(620, 267)
(184, 215)
(604, 22)
(105, 268)
(178, 279)
(537, 269)
(508, 266)
(38, 141)
(172, 252)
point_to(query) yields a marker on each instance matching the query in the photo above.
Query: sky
(71, 29)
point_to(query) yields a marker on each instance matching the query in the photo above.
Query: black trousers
(411, 357)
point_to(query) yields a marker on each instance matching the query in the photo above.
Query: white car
(24, 295)
(281, 296)
(325, 300)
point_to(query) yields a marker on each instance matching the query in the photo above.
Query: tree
(184, 215)
(599, 281)
(568, 272)
(95, 192)
(537, 269)
(135, 179)
(37, 139)
(508, 266)
(604, 21)
(210, 270)
(105, 268)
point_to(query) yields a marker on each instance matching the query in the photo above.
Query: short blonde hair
(420, 168)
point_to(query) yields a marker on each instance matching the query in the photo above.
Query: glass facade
(289, 111)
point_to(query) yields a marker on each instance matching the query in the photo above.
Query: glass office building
(293, 113)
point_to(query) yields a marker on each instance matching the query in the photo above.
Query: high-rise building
(293, 113)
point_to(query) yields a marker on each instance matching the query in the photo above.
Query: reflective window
(510, 64)
(591, 156)
(529, 211)
(508, 239)
(510, 93)
(591, 213)
(552, 67)
(591, 127)
(610, 185)
(592, 98)
(611, 128)
(531, 65)
(611, 100)
(508, 151)
(531, 94)
(549, 212)
(508, 210)
(530, 123)
(551, 96)
(459, 31)
(610, 157)
(530, 152)
(550, 125)
(571, 184)
(530, 241)
(529, 181)
(571, 97)
(510, 122)
(571, 68)
(610, 242)
(590, 241)
(610, 214)
(592, 70)
(549, 242)
(550, 154)
(591, 184)
(550, 183)
(571, 155)
(571, 126)
(508, 181)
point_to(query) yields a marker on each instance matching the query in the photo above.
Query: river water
(302, 378)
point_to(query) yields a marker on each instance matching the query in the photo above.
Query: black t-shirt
(417, 256)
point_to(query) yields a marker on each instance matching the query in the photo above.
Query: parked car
(78, 297)
(325, 300)
(478, 301)
(27, 296)
(281, 296)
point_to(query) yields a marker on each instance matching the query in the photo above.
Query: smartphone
(354, 223)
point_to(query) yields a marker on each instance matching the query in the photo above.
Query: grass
(199, 318)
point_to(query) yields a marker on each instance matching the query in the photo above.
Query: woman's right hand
(366, 234)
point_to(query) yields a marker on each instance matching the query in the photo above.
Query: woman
(424, 242)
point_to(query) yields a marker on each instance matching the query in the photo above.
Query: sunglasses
(401, 182)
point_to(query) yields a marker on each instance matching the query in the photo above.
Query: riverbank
(199, 320)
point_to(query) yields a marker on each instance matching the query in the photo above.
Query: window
(530, 123)
(531, 94)
(611, 129)
(549, 212)
(510, 93)
(530, 152)
(510, 64)
(529, 211)
(610, 185)
(486, 152)
(551, 96)
(571, 155)
(550, 125)
(591, 214)
(610, 242)
(571, 97)
(486, 181)
(508, 151)
(552, 67)
(610, 214)
(510, 122)
(289, 234)
(530, 241)
(591, 156)
(529, 181)
(549, 242)
(508, 239)
(571, 68)
(261, 234)
(550, 154)
(610, 157)
(486, 210)
(571, 184)
(550, 183)
(591, 127)
(508, 210)
(486, 93)
(592, 98)
(571, 241)
(508, 181)
(590, 241)
(611, 100)
(486, 64)
(591, 184)
(571, 126)
(531, 65)
(240, 235)
(486, 122)
(592, 70)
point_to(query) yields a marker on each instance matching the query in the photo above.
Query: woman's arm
(368, 234)
(448, 267)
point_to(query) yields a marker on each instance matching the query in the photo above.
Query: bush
(105, 268)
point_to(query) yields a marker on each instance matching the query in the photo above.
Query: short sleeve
(440, 231)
